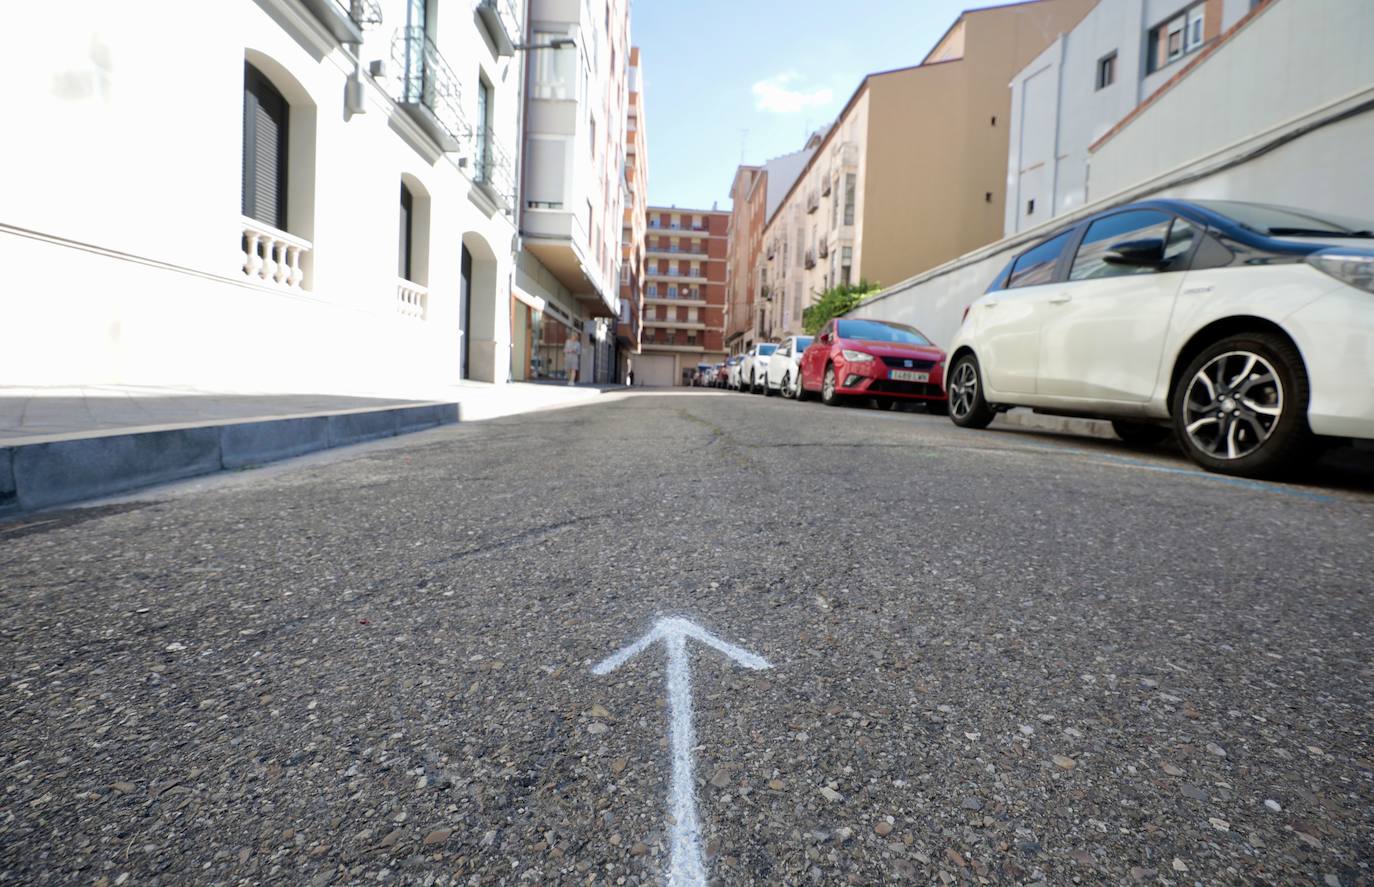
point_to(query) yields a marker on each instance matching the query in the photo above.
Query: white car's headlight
(856, 356)
(1352, 266)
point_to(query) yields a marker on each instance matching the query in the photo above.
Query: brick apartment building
(684, 294)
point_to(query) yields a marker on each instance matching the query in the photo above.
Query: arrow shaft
(686, 868)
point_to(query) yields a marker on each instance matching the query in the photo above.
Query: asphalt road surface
(996, 657)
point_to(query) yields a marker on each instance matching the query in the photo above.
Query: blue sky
(776, 68)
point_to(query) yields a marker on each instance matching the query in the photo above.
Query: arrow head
(672, 629)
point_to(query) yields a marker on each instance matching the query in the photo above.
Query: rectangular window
(797, 300)
(482, 162)
(545, 169)
(1106, 70)
(554, 69)
(850, 181)
(801, 254)
(407, 205)
(1179, 36)
(846, 263)
(1196, 23)
(265, 122)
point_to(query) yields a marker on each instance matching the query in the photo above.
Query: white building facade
(1089, 79)
(568, 277)
(273, 195)
(781, 272)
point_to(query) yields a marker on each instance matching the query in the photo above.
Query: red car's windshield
(880, 331)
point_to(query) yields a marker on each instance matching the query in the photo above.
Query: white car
(1248, 328)
(732, 372)
(754, 366)
(784, 367)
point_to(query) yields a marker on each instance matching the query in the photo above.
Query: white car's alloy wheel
(1233, 405)
(963, 389)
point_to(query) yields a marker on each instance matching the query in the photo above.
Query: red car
(873, 359)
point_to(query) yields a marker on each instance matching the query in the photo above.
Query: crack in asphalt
(517, 540)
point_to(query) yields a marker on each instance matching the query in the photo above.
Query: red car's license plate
(907, 376)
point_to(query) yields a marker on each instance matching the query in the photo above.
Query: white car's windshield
(765, 350)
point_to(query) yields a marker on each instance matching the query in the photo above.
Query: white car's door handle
(989, 304)
(1198, 290)
(1061, 299)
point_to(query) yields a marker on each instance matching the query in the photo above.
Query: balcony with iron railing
(428, 90)
(813, 201)
(347, 19)
(825, 185)
(809, 260)
(493, 171)
(502, 21)
(824, 249)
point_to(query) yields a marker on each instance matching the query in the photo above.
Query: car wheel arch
(1215, 331)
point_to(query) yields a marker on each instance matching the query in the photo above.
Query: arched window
(266, 117)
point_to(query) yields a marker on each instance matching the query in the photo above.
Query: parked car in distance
(782, 375)
(751, 371)
(878, 359)
(732, 377)
(722, 374)
(1248, 328)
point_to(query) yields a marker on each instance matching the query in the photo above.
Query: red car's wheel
(828, 395)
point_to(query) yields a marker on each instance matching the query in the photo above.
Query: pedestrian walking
(572, 353)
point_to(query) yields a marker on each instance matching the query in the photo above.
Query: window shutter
(265, 118)
(406, 205)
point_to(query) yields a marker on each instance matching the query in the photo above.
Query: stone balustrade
(273, 256)
(412, 300)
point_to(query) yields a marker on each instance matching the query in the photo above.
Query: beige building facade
(913, 171)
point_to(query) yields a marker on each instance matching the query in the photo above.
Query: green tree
(836, 302)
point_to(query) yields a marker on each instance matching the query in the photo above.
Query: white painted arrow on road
(686, 868)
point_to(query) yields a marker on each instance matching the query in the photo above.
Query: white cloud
(781, 95)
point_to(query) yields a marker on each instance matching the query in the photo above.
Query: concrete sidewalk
(63, 444)
(30, 415)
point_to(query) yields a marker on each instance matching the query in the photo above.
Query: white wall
(120, 223)
(1295, 57)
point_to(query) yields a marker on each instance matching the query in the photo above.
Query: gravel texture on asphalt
(997, 658)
